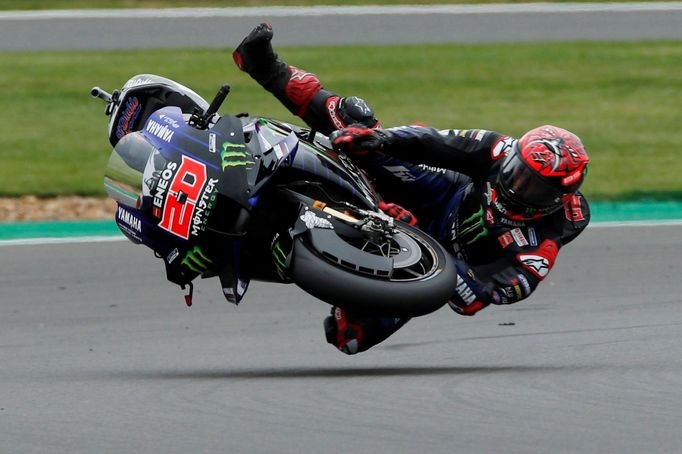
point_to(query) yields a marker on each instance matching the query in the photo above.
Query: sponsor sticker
(129, 219)
(464, 291)
(234, 155)
(532, 237)
(162, 187)
(204, 206)
(129, 223)
(401, 172)
(128, 117)
(572, 178)
(170, 121)
(172, 256)
(517, 234)
(196, 260)
(505, 240)
(524, 284)
(136, 82)
(162, 131)
(432, 168)
(312, 221)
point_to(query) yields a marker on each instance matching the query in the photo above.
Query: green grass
(622, 99)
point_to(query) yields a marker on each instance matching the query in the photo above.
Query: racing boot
(356, 333)
(293, 87)
(255, 56)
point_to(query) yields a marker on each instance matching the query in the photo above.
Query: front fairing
(184, 197)
(144, 94)
(203, 151)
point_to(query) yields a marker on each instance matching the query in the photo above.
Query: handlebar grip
(97, 92)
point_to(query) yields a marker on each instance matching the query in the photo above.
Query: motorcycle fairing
(232, 279)
(142, 95)
(225, 167)
(271, 147)
(220, 157)
(311, 157)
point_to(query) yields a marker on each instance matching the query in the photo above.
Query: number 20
(187, 184)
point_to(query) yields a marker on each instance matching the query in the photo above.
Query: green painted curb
(61, 229)
(601, 212)
(636, 211)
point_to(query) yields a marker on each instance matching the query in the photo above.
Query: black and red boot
(354, 333)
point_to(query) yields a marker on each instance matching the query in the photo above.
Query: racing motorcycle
(247, 198)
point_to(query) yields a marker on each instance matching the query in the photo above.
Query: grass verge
(623, 99)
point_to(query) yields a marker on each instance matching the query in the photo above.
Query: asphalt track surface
(340, 25)
(99, 354)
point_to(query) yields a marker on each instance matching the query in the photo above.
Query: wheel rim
(413, 258)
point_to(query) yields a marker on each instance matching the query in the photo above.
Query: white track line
(311, 11)
(100, 239)
(66, 240)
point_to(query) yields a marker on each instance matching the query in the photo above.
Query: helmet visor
(525, 187)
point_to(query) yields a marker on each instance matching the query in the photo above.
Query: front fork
(324, 228)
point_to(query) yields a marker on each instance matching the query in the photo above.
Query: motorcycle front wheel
(421, 277)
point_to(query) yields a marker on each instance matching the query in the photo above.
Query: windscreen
(133, 168)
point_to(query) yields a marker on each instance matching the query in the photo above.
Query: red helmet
(541, 171)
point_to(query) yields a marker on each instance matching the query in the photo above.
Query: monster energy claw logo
(196, 260)
(233, 155)
(279, 256)
(473, 224)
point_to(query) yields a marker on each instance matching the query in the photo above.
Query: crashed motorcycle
(244, 198)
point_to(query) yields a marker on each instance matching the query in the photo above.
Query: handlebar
(217, 101)
(199, 119)
(97, 92)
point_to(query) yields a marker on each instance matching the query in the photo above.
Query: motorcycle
(247, 198)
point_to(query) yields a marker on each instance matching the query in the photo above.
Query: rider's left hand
(472, 295)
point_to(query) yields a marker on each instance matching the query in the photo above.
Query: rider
(503, 206)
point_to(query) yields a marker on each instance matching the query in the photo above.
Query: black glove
(356, 112)
(255, 52)
(358, 140)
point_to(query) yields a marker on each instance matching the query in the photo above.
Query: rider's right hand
(398, 212)
(358, 139)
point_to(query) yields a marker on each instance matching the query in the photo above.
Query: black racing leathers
(447, 179)
(501, 260)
